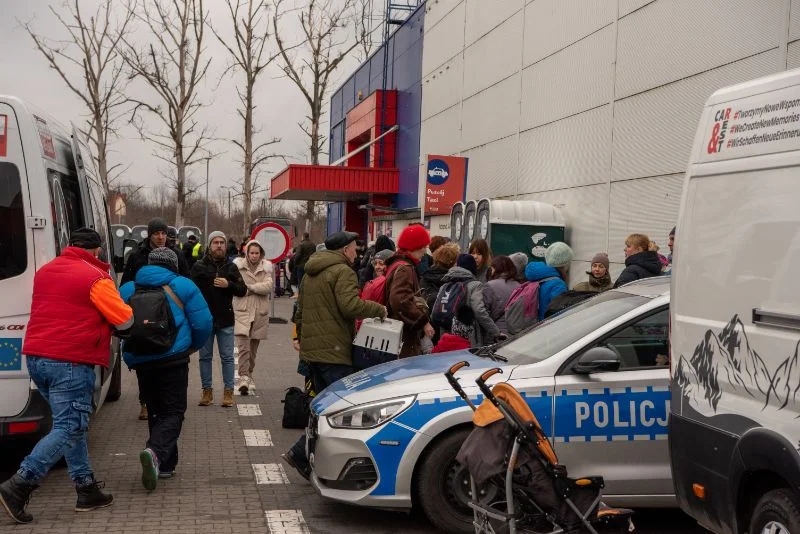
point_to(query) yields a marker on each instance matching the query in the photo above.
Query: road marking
(270, 474)
(286, 522)
(257, 438)
(248, 409)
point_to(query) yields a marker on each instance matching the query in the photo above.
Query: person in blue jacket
(164, 378)
(551, 274)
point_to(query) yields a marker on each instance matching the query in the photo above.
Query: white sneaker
(243, 385)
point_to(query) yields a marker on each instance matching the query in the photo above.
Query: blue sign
(10, 354)
(438, 172)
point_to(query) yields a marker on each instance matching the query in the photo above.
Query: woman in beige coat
(251, 312)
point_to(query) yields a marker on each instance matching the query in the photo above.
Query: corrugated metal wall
(405, 74)
(590, 105)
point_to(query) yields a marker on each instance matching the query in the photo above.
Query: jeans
(164, 391)
(225, 346)
(68, 389)
(323, 375)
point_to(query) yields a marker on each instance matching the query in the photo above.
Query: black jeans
(164, 392)
(323, 375)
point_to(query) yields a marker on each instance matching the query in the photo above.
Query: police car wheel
(777, 512)
(443, 493)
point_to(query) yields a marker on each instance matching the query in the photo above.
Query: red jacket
(450, 342)
(74, 310)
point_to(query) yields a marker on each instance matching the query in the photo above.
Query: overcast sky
(25, 73)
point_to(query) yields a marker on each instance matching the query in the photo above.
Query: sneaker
(90, 497)
(14, 496)
(208, 397)
(149, 462)
(305, 470)
(244, 383)
(166, 474)
(143, 413)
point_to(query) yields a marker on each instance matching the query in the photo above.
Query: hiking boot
(208, 397)
(14, 496)
(143, 413)
(304, 468)
(244, 383)
(149, 462)
(227, 398)
(90, 497)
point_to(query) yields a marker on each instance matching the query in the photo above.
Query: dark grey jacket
(485, 329)
(495, 297)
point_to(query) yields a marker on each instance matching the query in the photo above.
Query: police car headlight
(372, 414)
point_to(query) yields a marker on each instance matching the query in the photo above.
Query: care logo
(438, 172)
(719, 131)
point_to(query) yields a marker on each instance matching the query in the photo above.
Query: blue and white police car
(596, 377)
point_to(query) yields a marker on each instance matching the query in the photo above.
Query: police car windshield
(555, 334)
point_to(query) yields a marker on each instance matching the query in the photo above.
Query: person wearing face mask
(402, 286)
(639, 261)
(251, 312)
(219, 280)
(75, 307)
(599, 277)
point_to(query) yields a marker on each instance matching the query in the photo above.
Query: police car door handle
(776, 319)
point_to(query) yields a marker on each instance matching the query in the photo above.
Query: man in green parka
(327, 308)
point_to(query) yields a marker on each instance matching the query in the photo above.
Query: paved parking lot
(230, 478)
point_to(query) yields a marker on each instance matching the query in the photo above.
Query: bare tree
(251, 31)
(309, 64)
(92, 50)
(173, 65)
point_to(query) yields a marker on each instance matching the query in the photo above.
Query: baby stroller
(508, 449)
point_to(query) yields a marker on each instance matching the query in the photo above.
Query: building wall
(590, 105)
(404, 74)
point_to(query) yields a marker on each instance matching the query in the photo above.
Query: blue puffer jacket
(539, 270)
(194, 321)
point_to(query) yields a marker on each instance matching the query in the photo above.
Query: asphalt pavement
(230, 478)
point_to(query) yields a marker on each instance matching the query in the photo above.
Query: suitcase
(378, 341)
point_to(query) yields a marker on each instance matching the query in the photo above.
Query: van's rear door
(17, 265)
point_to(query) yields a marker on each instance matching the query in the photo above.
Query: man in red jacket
(75, 308)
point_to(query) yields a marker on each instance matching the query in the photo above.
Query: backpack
(296, 408)
(566, 300)
(522, 308)
(451, 296)
(375, 290)
(154, 330)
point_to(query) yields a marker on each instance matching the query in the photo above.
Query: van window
(65, 207)
(100, 216)
(13, 250)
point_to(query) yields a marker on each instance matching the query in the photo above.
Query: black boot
(90, 497)
(14, 495)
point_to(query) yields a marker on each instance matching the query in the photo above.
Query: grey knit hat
(215, 234)
(383, 255)
(520, 260)
(165, 257)
(558, 254)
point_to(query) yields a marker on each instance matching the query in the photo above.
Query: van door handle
(776, 319)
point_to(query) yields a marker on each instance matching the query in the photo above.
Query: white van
(735, 418)
(47, 189)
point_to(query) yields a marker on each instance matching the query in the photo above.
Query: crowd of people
(175, 300)
(172, 301)
(445, 298)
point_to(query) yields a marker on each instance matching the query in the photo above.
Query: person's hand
(296, 344)
(384, 313)
(502, 336)
(429, 330)
(221, 282)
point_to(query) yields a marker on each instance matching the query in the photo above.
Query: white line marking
(286, 522)
(641, 437)
(600, 438)
(248, 409)
(257, 438)
(270, 474)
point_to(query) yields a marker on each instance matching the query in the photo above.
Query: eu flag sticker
(10, 354)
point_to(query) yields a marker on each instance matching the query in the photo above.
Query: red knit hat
(413, 237)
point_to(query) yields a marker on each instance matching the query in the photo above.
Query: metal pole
(205, 218)
(229, 204)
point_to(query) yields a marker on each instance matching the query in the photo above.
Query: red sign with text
(445, 183)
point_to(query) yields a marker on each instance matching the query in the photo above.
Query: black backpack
(154, 330)
(296, 408)
(451, 296)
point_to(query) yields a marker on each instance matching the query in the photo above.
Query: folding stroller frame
(531, 435)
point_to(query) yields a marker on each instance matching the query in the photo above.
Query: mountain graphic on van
(728, 357)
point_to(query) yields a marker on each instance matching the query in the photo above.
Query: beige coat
(251, 312)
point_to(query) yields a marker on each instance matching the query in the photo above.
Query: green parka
(327, 308)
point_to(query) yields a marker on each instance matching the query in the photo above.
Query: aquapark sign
(445, 183)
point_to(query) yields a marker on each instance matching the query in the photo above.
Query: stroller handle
(449, 375)
(486, 390)
(488, 374)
